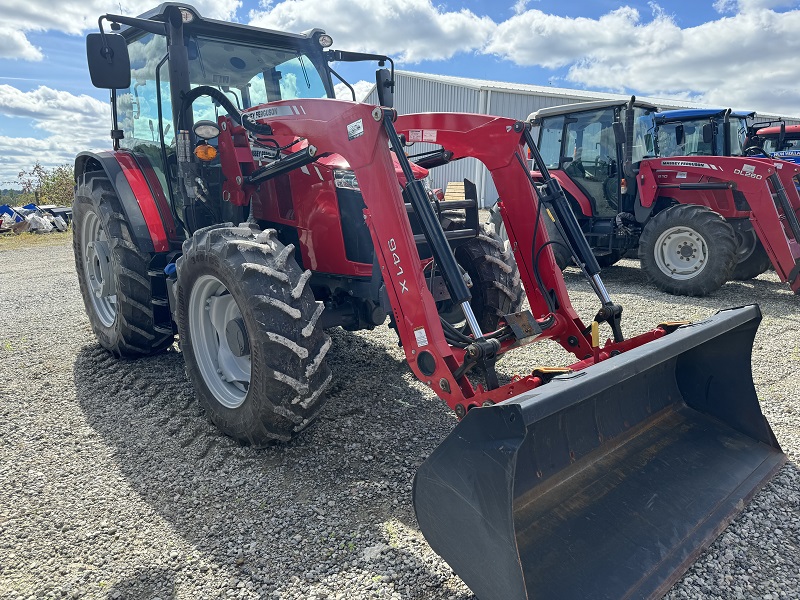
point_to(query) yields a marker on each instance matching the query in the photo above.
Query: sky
(739, 53)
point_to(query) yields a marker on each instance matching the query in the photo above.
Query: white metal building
(421, 92)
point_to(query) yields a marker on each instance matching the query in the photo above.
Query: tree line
(40, 186)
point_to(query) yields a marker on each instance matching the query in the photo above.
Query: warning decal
(428, 135)
(421, 336)
(355, 129)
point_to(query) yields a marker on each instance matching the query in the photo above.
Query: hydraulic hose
(233, 112)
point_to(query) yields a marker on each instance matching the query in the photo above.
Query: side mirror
(680, 135)
(385, 86)
(708, 133)
(109, 63)
(619, 133)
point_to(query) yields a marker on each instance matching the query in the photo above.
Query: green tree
(47, 186)
(58, 186)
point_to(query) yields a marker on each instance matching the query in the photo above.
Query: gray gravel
(113, 485)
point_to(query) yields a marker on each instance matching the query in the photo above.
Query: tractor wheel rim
(681, 253)
(99, 269)
(211, 308)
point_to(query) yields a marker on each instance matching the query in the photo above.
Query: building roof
(546, 90)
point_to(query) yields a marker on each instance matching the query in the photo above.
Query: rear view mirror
(619, 133)
(385, 87)
(708, 133)
(109, 63)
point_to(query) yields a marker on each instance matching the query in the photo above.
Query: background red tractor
(696, 220)
(217, 123)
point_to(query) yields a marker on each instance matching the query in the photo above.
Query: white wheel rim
(211, 308)
(98, 269)
(681, 253)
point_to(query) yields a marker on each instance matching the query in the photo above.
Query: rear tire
(496, 286)
(562, 256)
(112, 272)
(250, 334)
(751, 258)
(752, 266)
(688, 250)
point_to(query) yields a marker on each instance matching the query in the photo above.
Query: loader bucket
(608, 482)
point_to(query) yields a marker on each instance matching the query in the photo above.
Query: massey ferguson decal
(273, 111)
(687, 163)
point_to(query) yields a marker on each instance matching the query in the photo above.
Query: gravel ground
(113, 485)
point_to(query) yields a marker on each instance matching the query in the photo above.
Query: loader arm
(773, 202)
(361, 135)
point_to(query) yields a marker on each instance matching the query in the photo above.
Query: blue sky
(738, 53)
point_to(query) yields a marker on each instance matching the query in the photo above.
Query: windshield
(738, 130)
(694, 137)
(789, 146)
(684, 138)
(253, 75)
(248, 75)
(643, 135)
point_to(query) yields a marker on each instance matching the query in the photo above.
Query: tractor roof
(689, 114)
(776, 130)
(225, 29)
(566, 109)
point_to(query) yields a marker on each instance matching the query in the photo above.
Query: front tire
(688, 250)
(250, 334)
(496, 286)
(113, 272)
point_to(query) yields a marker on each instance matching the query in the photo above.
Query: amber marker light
(205, 152)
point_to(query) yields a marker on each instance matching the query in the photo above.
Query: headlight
(346, 180)
(207, 130)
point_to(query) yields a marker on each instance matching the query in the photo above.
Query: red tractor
(696, 220)
(218, 123)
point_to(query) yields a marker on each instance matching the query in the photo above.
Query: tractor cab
(585, 144)
(177, 79)
(594, 150)
(701, 132)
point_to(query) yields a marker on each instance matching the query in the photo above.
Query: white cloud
(723, 6)
(747, 60)
(362, 88)
(14, 44)
(410, 30)
(78, 17)
(69, 123)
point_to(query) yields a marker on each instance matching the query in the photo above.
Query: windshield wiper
(305, 73)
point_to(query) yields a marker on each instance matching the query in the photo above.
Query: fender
(572, 190)
(152, 229)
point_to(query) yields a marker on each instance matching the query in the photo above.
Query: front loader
(604, 479)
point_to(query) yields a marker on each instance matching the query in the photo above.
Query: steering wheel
(754, 150)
